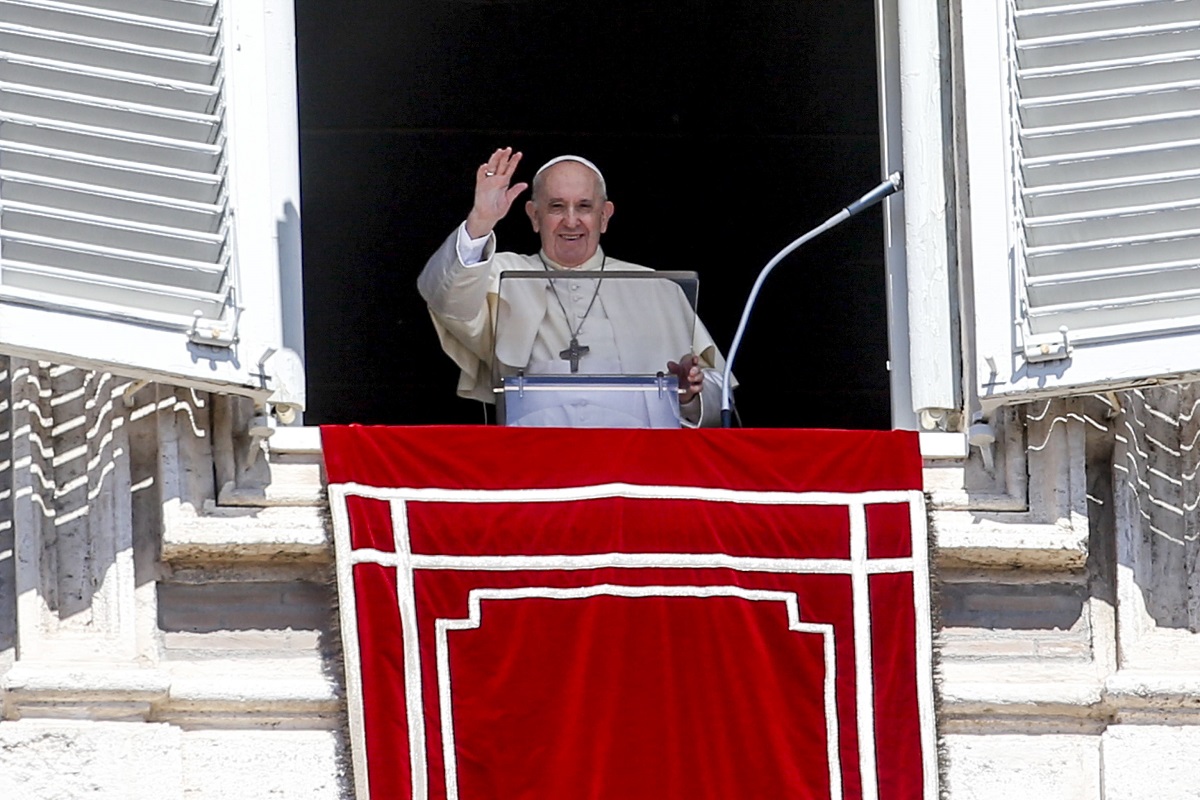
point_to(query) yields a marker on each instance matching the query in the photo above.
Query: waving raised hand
(493, 194)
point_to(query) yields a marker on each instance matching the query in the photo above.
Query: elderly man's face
(568, 213)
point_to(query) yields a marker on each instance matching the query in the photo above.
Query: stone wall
(166, 623)
(167, 615)
(1070, 666)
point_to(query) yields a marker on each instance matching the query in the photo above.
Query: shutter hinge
(1048, 346)
(217, 332)
(214, 333)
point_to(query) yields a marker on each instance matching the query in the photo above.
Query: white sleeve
(704, 411)
(470, 251)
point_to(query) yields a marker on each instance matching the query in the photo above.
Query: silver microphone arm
(890, 186)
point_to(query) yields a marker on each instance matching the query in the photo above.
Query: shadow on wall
(1157, 497)
(291, 278)
(8, 576)
(70, 488)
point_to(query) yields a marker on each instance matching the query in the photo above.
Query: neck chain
(575, 350)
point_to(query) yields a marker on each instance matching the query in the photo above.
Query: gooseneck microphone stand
(890, 186)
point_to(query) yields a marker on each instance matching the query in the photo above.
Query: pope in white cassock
(591, 326)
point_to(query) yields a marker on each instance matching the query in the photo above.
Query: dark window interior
(724, 129)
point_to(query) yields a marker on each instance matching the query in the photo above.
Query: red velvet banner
(546, 614)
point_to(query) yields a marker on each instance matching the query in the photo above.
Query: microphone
(890, 186)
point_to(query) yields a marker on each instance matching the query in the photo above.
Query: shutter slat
(1125, 251)
(1093, 195)
(1110, 74)
(1108, 134)
(197, 12)
(120, 170)
(118, 56)
(1108, 124)
(96, 82)
(112, 115)
(1087, 18)
(125, 145)
(1096, 106)
(131, 265)
(1166, 219)
(49, 284)
(1111, 163)
(1134, 42)
(113, 232)
(99, 23)
(136, 177)
(101, 200)
(112, 164)
(1163, 307)
(1105, 284)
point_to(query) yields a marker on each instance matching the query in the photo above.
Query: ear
(606, 214)
(533, 220)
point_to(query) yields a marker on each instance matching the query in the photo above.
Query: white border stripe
(924, 646)
(475, 616)
(348, 611)
(445, 697)
(630, 490)
(864, 679)
(859, 567)
(629, 561)
(406, 599)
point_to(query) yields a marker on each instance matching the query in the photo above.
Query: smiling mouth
(572, 237)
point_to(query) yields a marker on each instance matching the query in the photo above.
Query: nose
(572, 217)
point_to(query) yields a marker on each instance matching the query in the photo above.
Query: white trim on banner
(348, 613)
(406, 600)
(864, 678)
(633, 491)
(859, 567)
(475, 616)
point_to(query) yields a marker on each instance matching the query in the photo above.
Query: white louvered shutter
(1083, 135)
(129, 236)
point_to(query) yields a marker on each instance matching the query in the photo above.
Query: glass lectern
(590, 349)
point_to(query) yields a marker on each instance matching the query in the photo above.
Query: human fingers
(484, 174)
(494, 161)
(514, 191)
(508, 162)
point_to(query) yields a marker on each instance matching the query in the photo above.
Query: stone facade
(167, 616)
(1069, 655)
(166, 622)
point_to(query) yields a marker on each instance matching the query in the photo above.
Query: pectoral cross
(573, 353)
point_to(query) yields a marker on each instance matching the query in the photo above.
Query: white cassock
(630, 329)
